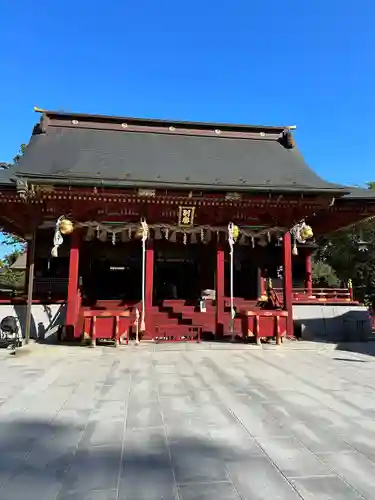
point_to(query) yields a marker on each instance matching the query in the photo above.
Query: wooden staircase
(183, 317)
(180, 318)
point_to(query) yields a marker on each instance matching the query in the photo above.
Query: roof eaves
(360, 194)
(6, 176)
(92, 181)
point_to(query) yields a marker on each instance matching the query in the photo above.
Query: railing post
(350, 289)
(308, 273)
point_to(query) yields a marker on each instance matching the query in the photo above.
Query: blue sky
(308, 63)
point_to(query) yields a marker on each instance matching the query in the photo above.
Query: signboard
(186, 216)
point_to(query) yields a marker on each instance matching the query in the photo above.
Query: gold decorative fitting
(186, 216)
(66, 226)
(139, 232)
(306, 233)
(44, 188)
(233, 196)
(146, 192)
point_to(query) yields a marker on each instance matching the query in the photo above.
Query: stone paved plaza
(189, 424)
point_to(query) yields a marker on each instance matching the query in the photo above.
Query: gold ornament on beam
(306, 233)
(66, 226)
(63, 227)
(300, 233)
(142, 230)
(139, 233)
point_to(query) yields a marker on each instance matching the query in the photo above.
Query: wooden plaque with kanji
(186, 216)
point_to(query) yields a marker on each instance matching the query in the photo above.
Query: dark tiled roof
(6, 176)
(359, 194)
(96, 154)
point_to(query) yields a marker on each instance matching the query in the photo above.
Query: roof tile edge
(57, 118)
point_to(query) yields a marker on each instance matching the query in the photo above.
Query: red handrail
(344, 294)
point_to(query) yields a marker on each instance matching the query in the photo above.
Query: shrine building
(176, 229)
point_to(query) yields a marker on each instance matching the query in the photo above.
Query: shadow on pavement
(42, 461)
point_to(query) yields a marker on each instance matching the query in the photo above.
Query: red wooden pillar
(261, 283)
(220, 290)
(149, 286)
(288, 282)
(73, 301)
(308, 272)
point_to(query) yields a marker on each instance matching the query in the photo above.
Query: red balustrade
(316, 295)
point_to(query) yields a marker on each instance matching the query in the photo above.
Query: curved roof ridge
(65, 115)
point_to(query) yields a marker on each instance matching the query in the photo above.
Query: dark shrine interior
(182, 272)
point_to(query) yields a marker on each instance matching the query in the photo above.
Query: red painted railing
(320, 295)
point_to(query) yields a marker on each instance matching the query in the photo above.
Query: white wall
(45, 319)
(335, 323)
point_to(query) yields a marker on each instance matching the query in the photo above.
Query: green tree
(11, 278)
(351, 255)
(10, 239)
(324, 274)
(20, 153)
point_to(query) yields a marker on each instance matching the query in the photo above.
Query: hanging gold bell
(142, 230)
(236, 232)
(139, 232)
(66, 226)
(306, 233)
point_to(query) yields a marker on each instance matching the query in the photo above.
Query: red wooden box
(261, 324)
